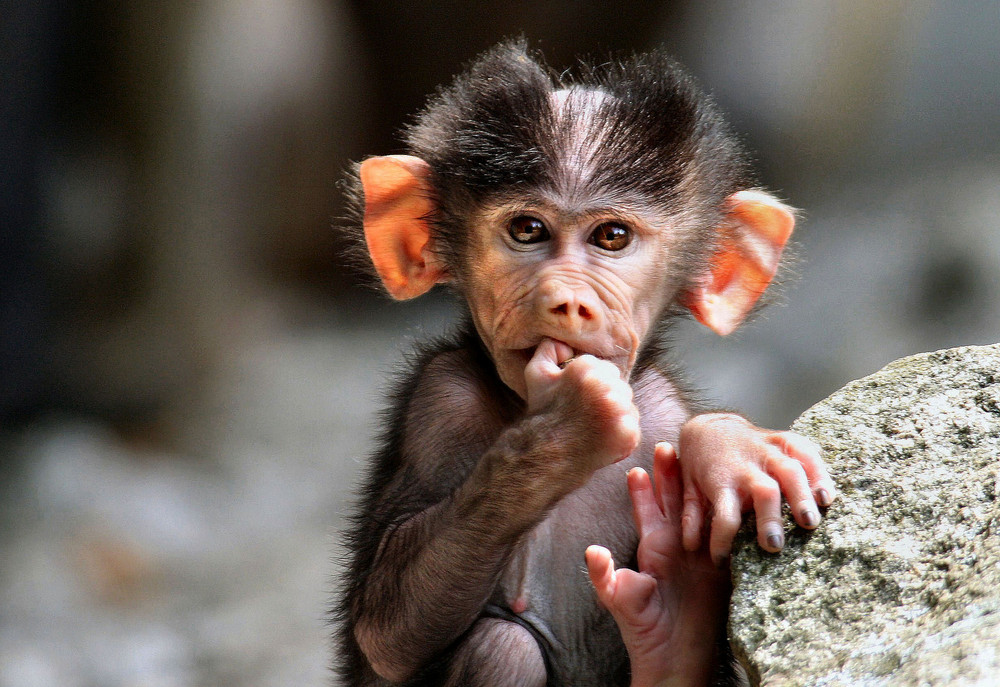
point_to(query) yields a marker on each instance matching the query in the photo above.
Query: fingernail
(810, 518)
(775, 541)
(824, 497)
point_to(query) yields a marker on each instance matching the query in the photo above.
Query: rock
(900, 584)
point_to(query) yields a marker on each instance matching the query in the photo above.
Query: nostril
(579, 310)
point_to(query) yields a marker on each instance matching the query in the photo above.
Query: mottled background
(189, 373)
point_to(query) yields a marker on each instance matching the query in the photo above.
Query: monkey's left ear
(755, 233)
(398, 205)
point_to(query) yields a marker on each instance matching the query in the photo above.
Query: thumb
(544, 365)
(551, 353)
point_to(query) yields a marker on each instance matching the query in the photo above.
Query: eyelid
(629, 232)
(513, 228)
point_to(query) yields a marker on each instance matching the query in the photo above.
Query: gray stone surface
(900, 585)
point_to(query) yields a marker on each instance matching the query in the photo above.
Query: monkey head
(581, 211)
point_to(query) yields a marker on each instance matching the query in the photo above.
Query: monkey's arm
(731, 465)
(434, 571)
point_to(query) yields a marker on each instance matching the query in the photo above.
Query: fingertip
(808, 517)
(825, 496)
(545, 354)
(718, 550)
(597, 556)
(726, 522)
(551, 355)
(600, 568)
(630, 424)
(665, 450)
(637, 477)
(563, 352)
(771, 539)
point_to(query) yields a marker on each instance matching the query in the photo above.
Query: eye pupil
(611, 236)
(526, 229)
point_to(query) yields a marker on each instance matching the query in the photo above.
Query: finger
(601, 569)
(808, 453)
(766, 497)
(692, 518)
(645, 510)
(667, 478)
(633, 604)
(598, 371)
(726, 520)
(626, 594)
(550, 354)
(543, 370)
(792, 478)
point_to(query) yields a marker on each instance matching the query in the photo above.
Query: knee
(498, 652)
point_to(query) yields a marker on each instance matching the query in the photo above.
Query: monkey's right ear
(398, 205)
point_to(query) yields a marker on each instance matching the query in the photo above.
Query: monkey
(576, 216)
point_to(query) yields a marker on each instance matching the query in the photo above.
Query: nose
(571, 308)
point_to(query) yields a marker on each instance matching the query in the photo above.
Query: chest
(545, 581)
(546, 574)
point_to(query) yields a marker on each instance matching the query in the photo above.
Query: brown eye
(526, 229)
(611, 236)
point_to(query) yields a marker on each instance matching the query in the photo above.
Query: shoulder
(456, 407)
(446, 408)
(438, 422)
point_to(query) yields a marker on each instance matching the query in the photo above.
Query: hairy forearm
(434, 572)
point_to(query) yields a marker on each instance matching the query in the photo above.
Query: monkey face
(591, 279)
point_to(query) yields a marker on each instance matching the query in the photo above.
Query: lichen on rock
(900, 584)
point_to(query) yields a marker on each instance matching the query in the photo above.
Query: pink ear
(756, 231)
(398, 203)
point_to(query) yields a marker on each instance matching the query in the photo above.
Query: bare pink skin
(666, 610)
(553, 376)
(729, 465)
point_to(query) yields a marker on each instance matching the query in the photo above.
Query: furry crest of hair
(496, 127)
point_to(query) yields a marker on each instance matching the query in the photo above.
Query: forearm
(434, 573)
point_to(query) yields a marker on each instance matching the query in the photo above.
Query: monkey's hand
(731, 465)
(667, 610)
(588, 405)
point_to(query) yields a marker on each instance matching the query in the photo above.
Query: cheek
(510, 369)
(480, 284)
(652, 295)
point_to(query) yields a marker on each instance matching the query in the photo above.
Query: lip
(526, 354)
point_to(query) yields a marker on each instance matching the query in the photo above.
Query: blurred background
(189, 372)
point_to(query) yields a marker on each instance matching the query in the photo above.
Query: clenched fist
(588, 405)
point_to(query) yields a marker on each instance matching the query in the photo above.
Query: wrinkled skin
(563, 319)
(597, 302)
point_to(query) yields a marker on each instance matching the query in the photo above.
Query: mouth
(526, 354)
